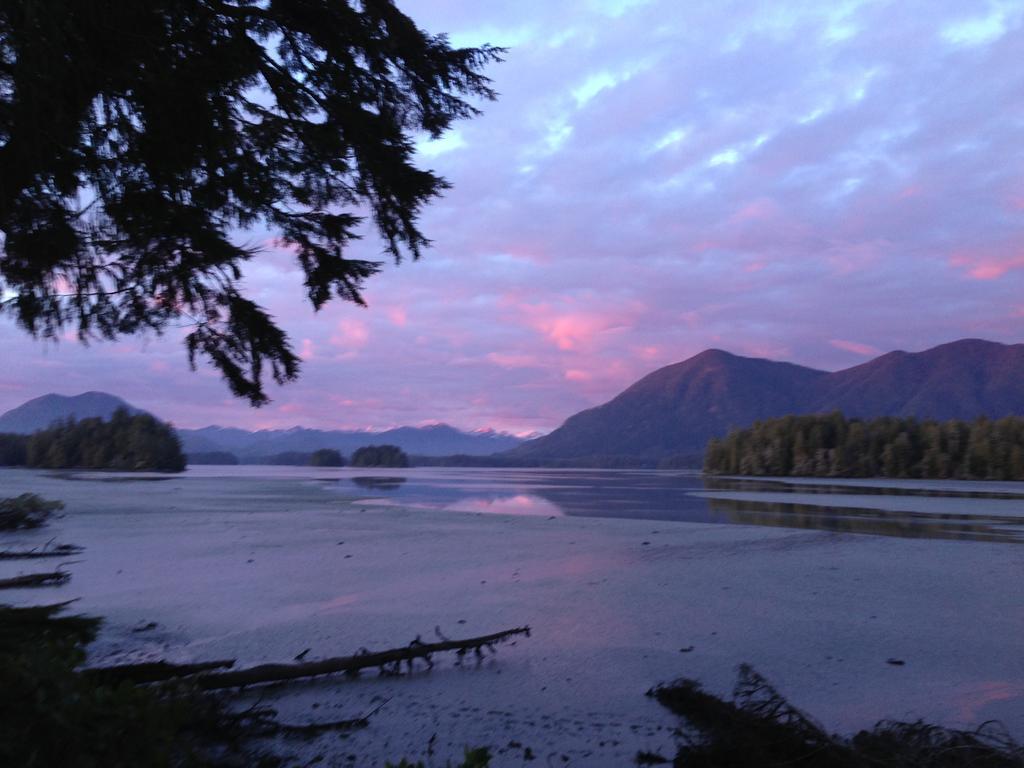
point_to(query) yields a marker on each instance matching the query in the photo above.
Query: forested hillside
(834, 446)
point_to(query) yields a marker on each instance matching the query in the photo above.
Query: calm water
(948, 509)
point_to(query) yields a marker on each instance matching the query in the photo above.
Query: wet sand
(261, 566)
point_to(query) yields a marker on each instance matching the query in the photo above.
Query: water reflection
(944, 488)
(689, 497)
(913, 525)
(375, 483)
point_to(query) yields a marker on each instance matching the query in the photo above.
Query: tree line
(125, 442)
(367, 456)
(831, 445)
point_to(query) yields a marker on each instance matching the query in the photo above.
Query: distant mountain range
(672, 412)
(435, 440)
(677, 409)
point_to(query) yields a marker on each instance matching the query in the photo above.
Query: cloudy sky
(807, 181)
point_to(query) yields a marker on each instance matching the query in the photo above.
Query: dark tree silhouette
(830, 445)
(379, 456)
(13, 450)
(326, 457)
(137, 140)
(123, 442)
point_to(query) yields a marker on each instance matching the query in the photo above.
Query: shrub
(26, 511)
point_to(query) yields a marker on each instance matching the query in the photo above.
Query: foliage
(13, 450)
(212, 457)
(22, 629)
(473, 758)
(760, 728)
(326, 457)
(135, 138)
(380, 456)
(50, 715)
(28, 510)
(125, 442)
(833, 446)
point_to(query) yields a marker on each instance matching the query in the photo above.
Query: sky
(805, 181)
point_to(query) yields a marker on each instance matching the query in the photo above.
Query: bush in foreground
(28, 510)
(51, 715)
(760, 729)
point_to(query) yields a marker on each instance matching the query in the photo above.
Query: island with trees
(124, 442)
(831, 445)
(380, 456)
(326, 457)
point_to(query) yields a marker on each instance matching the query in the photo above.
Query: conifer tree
(140, 141)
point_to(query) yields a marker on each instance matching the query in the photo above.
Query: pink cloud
(571, 329)
(350, 334)
(398, 316)
(763, 209)
(856, 347)
(577, 375)
(988, 264)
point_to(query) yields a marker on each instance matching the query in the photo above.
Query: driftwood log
(61, 550)
(36, 580)
(389, 662)
(264, 719)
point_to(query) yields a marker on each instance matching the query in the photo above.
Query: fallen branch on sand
(389, 662)
(51, 579)
(46, 550)
(264, 721)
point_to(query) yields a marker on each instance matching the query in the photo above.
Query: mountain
(434, 440)
(960, 380)
(43, 411)
(675, 410)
